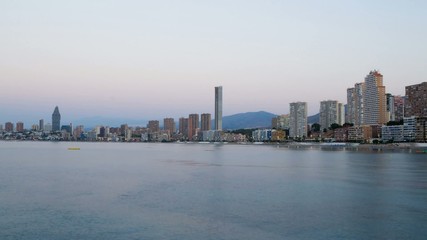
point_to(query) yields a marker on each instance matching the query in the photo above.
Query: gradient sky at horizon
(155, 59)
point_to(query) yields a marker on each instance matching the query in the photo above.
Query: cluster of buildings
(370, 115)
(195, 127)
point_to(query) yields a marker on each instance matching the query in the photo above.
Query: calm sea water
(206, 191)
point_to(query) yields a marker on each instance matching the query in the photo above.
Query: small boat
(73, 148)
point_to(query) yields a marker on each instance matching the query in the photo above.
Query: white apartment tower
(298, 120)
(331, 111)
(355, 102)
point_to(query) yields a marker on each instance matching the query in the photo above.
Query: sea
(209, 191)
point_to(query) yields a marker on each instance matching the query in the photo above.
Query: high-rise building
(341, 114)
(193, 125)
(153, 126)
(102, 132)
(218, 108)
(1, 128)
(351, 106)
(206, 122)
(359, 89)
(41, 124)
(355, 104)
(8, 127)
(169, 125)
(390, 116)
(77, 133)
(374, 111)
(66, 128)
(47, 127)
(56, 120)
(298, 120)
(330, 112)
(280, 122)
(183, 127)
(123, 129)
(399, 108)
(416, 100)
(20, 127)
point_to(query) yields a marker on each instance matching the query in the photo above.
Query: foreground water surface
(208, 191)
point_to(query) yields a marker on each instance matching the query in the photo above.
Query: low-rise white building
(392, 133)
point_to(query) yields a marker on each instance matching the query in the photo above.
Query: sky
(156, 59)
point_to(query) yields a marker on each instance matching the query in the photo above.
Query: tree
(394, 123)
(335, 126)
(348, 124)
(315, 127)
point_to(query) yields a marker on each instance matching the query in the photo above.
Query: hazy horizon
(150, 60)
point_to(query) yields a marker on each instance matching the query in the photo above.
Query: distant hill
(313, 119)
(91, 122)
(259, 119)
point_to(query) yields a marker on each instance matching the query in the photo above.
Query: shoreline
(390, 147)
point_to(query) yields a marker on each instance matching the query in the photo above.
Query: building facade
(355, 103)
(193, 125)
(56, 120)
(41, 124)
(359, 133)
(206, 122)
(183, 127)
(415, 129)
(392, 133)
(218, 108)
(298, 120)
(153, 126)
(390, 115)
(331, 111)
(280, 122)
(374, 99)
(8, 127)
(169, 125)
(416, 100)
(399, 108)
(20, 127)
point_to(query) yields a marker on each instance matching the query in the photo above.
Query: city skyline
(131, 58)
(350, 117)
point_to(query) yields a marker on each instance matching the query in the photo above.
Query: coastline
(334, 146)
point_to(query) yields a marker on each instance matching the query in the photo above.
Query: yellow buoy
(74, 148)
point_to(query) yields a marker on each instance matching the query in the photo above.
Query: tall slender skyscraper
(218, 108)
(56, 120)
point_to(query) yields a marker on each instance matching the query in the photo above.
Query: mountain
(313, 119)
(259, 119)
(91, 122)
